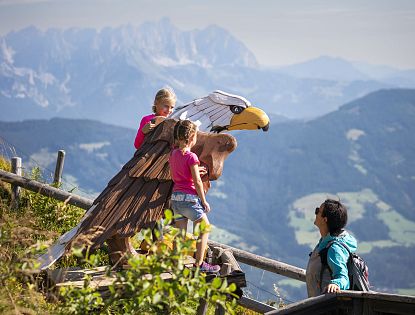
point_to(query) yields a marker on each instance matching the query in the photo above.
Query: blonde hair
(183, 131)
(165, 94)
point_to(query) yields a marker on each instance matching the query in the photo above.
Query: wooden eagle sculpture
(136, 197)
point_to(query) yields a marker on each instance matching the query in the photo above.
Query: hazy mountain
(326, 68)
(265, 200)
(112, 75)
(339, 69)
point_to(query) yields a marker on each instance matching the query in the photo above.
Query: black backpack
(357, 268)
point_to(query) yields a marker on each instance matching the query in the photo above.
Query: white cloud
(91, 147)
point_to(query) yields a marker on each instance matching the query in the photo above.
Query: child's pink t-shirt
(180, 170)
(139, 138)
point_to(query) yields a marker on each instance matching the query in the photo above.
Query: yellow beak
(251, 118)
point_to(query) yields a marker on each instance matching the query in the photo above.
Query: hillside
(94, 151)
(363, 153)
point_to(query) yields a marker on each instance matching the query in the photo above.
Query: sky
(278, 32)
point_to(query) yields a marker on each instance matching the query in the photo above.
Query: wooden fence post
(59, 167)
(202, 308)
(16, 169)
(219, 310)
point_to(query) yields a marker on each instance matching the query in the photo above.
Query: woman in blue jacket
(331, 218)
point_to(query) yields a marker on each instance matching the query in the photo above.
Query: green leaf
(186, 272)
(216, 283)
(232, 287)
(168, 214)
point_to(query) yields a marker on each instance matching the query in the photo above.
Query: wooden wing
(136, 197)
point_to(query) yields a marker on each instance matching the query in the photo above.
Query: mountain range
(111, 75)
(362, 153)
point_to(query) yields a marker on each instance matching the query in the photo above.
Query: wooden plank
(59, 167)
(304, 305)
(219, 310)
(16, 169)
(202, 308)
(225, 256)
(377, 296)
(255, 305)
(46, 190)
(264, 263)
(352, 302)
(225, 269)
(75, 275)
(237, 277)
(392, 307)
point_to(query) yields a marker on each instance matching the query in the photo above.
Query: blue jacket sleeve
(337, 257)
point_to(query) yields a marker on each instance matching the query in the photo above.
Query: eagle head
(220, 111)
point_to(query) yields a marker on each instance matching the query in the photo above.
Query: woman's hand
(332, 288)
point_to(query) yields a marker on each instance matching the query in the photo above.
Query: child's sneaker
(208, 268)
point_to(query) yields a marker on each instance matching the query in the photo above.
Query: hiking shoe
(208, 268)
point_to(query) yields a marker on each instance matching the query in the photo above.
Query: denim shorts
(187, 206)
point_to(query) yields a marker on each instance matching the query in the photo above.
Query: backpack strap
(323, 256)
(324, 251)
(344, 245)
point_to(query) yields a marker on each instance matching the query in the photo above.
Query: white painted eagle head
(221, 111)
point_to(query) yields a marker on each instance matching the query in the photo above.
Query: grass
(401, 230)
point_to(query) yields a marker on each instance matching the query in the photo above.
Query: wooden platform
(351, 303)
(102, 277)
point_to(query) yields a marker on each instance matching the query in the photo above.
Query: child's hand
(206, 206)
(202, 170)
(148, 127)
(151, 126)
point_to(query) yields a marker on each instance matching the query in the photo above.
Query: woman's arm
(337, 257)
(199, 186)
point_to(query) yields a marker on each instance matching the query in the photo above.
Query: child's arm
(152, 124)
(199, 186)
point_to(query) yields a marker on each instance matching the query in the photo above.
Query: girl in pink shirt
(163, 106)
(188, 198)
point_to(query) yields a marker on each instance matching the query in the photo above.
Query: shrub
(144, 289)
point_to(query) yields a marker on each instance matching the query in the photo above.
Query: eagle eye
(236, 109)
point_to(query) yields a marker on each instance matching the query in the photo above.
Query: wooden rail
(350, 303)
(46, 190)
(264, 263)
